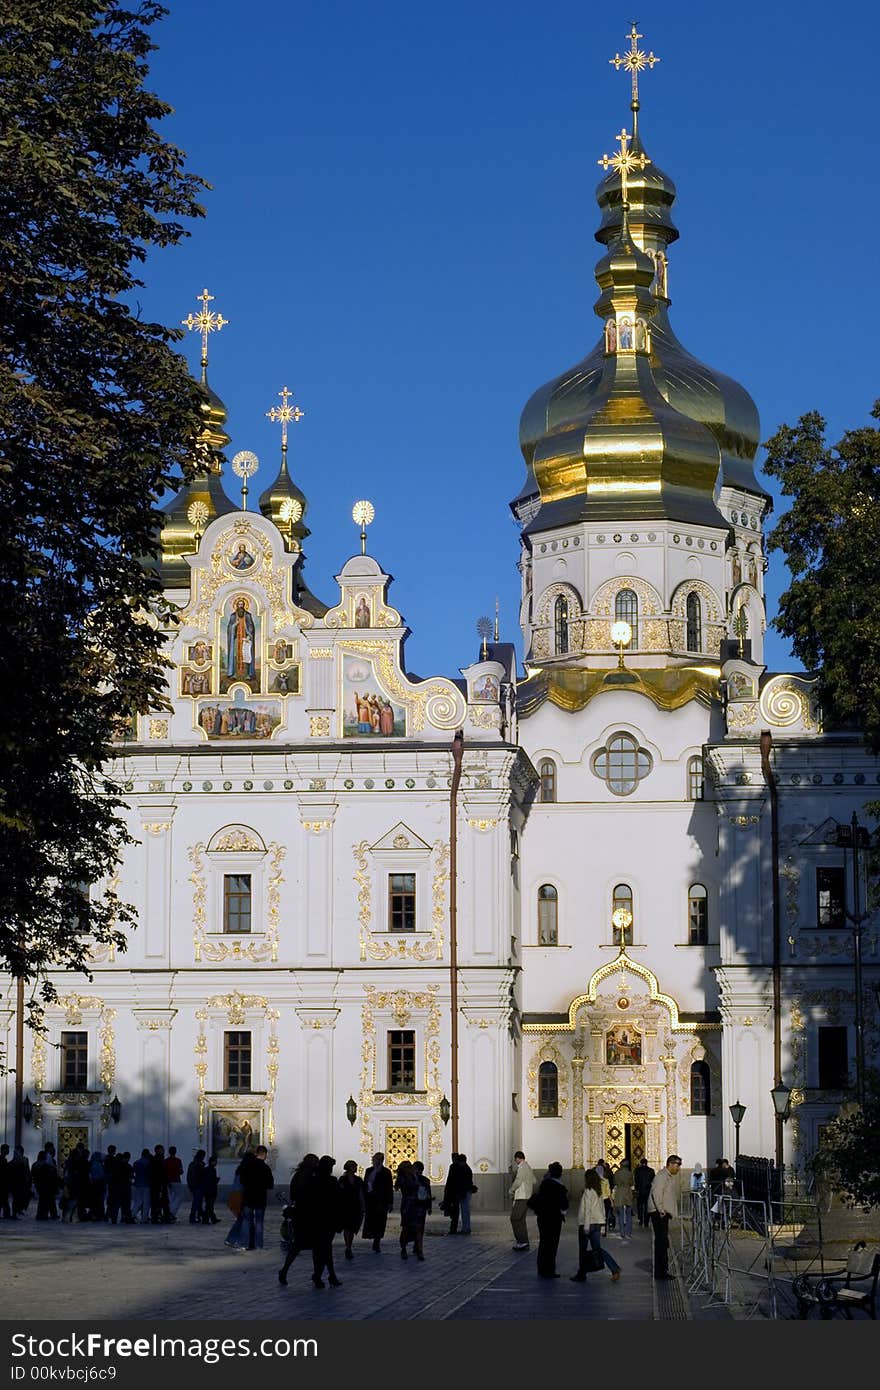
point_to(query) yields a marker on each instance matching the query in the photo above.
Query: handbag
(591, 1261)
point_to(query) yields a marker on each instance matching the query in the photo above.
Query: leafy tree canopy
(849, 1156)
(831, 541)
(97, 418)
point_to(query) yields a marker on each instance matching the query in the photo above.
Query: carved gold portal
(620, 1144)
(400, 1005)
(401, 1144)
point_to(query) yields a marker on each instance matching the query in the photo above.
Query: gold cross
(625, 162)
(206, 322)
(285, 413)
(635, 62)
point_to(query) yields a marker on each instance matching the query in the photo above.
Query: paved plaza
(50, 1270)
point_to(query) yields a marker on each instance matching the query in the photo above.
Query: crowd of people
(108, 1186)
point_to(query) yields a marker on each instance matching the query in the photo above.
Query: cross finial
(635, 61)
(625, 162)
(206, 321)
(285, 412)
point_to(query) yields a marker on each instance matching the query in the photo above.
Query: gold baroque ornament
(650, 602)
(215, 951)
(401, 1004)
(436, 700)
(239, 841)
(483, 825)
(320, 653)
(485, 718)
(316, 826)
(236, 1005)
(158, 728)
(73, 1006)
(786, 701)
(741, 822)
(742, 716)
(547, 1052)
(319, 726)
(157, 827)
(274, 580)
(403, 947)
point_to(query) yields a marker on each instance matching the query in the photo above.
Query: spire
(635, 61)
(273, 502)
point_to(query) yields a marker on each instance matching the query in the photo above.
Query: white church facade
(578, 901)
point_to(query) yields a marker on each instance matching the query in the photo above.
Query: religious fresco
(240, 557)
(623, 1046)
(362, 615)
(233, 719)
(366, 709)
(194, 682)
(199, 653)
(286, 682)
(240, 652)
(234, 1133)
(486, 689)
(280, 651)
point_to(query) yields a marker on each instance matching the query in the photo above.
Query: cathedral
(579, 898)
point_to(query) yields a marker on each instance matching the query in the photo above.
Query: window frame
(548, 1109)
(548, 894)
(640, 755)
(547, 778)
(77, 1053)
(698, 934)
(836, 921)
(838, 1080)
(696, 776)
(693, 622)
(626, 900)
(238, 896)
(561, 625)
(407, 897)
(401, 1049)
(631, 615)
(700, 1072)
(239, 1054)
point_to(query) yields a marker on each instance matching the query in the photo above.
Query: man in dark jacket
(195, 1181)
(257, 1181)
(466, 1189)
(159, 1208)
(378, 1200)
(642, 1179)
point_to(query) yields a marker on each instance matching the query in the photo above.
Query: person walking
(174, 1174)
(351, 1191)
(111, 1173)
(195, 1181)
(257, 1181)
(301, 1239)
(642, 1179)
(140, 1201)
(449, 1205)
(19, 1181)
(324, 1219)
(520, 1190)
(405, 1183)
(160, 1211)
(211, 1188)
(591, 1218)
(44, 1176)
(662, 1207)
(622, 1197)
(379, 1199)
(550, 1203)
(424, 1201)
(605, 1179)
(466, 1190)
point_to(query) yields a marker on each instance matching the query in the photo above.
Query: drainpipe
(770, 779)
(457, 753)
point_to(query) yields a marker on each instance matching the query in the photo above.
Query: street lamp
(737, 1113)
(351, 1110)
(445, 1110)
(27, 1110)
(781, 1097)
(116, 1110)
(856, 837)
(621, 636)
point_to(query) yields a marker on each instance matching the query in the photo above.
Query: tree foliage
(849, 1157)
(831, 541)
(97, 418)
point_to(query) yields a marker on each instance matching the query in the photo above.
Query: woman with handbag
(591, 1216)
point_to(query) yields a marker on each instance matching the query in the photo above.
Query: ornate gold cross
(625, 162)
(285, 413)
(635, 61)
(206, 322)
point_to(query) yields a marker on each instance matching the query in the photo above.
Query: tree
(97, 418)
(848, 1159)
(831, 541)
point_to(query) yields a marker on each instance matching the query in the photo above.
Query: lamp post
(856, 837)
(621, 636)
(737, 1113)
(351, 1110)
(781, 1097)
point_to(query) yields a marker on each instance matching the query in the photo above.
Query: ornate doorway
(401, 1142)
(68, 1138)
(625, 1136)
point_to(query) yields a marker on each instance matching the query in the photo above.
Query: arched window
(622, 914)
(547, 772)
(560, 624)
(695, 777)
(548, 1090)
(694, 624)
(701, 1092)
(626, 610)
(698, 915)
(548, 915)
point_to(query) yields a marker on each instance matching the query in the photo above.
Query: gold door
(401, 1142)
(68, 1138)
(625, 1136)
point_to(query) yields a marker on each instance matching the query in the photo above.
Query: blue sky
(401, 231)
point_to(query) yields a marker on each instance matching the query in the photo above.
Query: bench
(853, 1290)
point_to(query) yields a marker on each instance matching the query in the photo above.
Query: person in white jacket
(591, 1217)
(521, 1189)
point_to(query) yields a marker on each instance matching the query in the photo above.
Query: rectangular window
(236, 1061)
(74, 1061)
(698, 920)
(833, 1059)
(695, 779)
(236, 904)
(401, 902)
(830, 897)
(401, 1060)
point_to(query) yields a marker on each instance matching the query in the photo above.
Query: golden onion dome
(205, 489)
(706, 397)
(272, 504)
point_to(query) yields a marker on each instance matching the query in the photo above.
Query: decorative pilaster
(577, 1111)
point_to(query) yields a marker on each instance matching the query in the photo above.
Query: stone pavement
(50, 1270)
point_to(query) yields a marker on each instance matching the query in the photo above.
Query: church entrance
(625, 1136)
(68, 1138)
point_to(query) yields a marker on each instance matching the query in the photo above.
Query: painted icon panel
(366, 710)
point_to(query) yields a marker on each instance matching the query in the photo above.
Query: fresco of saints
(626, 333)
(240, 641)
(242, 559)
(362, 613)
(610, 336)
